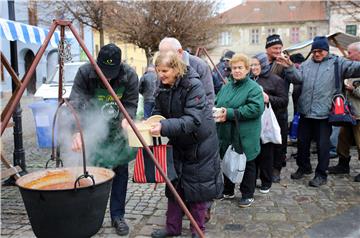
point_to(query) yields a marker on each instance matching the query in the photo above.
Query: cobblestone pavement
(288, 210)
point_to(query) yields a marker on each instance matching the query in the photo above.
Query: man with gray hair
(199, 65)
(349, 134)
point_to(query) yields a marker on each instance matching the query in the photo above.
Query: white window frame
(225, 38)
(271, 31)
(255, 36)
(312, 32)
(295, 34)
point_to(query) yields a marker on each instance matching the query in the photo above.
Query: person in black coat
(224, 69)
(191, 130)
(275, 93)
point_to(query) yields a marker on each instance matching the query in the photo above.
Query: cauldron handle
(54, 152)
(77, 121)
(86, 175)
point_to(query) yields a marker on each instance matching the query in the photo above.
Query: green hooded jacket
(246, 97)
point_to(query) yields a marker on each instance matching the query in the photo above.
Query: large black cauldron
(67, 212)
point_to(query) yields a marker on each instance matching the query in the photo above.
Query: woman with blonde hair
(240, 99)
(191, 130)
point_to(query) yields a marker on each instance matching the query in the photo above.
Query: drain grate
(233, 227)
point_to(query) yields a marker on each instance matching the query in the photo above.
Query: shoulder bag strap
(337, 76)
(237, 128)
(157, 141)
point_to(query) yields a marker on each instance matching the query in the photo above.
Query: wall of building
(339, 19)
(241, 36)
(48, 62)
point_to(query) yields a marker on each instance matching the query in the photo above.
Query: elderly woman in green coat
(243, 97)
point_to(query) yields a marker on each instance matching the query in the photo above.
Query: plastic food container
(144, 130)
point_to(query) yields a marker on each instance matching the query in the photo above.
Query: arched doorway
(51, 62)
(29, 58)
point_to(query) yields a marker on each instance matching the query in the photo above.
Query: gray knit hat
(264, 62)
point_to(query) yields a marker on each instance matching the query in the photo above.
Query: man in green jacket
(111, 148)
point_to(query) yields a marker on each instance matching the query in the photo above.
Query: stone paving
(289, 210)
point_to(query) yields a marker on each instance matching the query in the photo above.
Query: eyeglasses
(254, 65)
(317, 51)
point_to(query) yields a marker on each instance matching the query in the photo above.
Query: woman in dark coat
(192, 133)
(275, 93)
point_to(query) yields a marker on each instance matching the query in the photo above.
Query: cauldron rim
(90, 169)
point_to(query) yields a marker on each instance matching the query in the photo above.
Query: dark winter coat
(147, 86)
(275, 88)
(205, 77)
(224, 70)
(87, 81)
(192, 133)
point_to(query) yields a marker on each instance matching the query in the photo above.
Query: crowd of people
(182, 88)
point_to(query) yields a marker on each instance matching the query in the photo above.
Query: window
(254, 36)
(271, 31)
(225, 38)
(312, 32)
(351, 29)
(294, 34)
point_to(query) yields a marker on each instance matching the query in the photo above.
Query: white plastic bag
(233, 165)
(270, 129)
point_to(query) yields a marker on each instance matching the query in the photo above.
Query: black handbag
(340, 114)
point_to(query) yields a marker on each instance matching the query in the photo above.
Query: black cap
(297, 58)
(273, 40)
(228, 55)
(109, 60)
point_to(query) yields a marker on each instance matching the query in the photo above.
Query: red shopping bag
(145, 170)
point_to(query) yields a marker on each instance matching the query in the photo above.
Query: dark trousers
(280, 150)
(247, 186)
(320, 131)
(148, 108)
(175, 215)
(348, 136)
(264, 164)
(118, 191)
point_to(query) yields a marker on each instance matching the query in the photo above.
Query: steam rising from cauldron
(95, 129)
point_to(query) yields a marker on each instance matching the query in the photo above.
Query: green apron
(114, 150)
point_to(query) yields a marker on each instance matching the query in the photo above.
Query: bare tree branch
(145, 23)
(352, 8)
(88, 12)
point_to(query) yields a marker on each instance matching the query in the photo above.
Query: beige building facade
(341, 20)
(246, 26)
